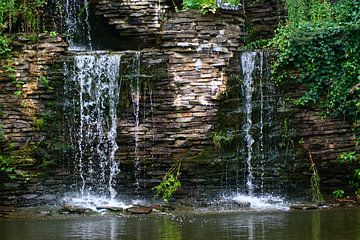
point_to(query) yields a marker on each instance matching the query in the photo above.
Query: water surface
(337, 224)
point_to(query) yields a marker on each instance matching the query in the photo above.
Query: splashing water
(135, 97)
(77, 24)
(248, 66)
(265, 202)
(93, 88)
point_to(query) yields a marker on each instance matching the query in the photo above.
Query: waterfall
(259, 152)
(248, 66)
(76, 24)
(135, 98)
(93, 88)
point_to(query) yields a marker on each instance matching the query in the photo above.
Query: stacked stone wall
(24, 103)
(325, 138)
(138, 21)
(186, 75)
(196, 50)
(263, 17)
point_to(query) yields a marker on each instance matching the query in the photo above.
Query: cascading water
(135, 98)
(93, 88)
(76, 24)
(248, 66)
(258, 153)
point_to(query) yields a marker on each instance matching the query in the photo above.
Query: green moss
(32, 37)
(204, 156)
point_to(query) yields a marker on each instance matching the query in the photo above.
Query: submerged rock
(163, 207)
(68, 209)
(304, 206)
(242, 204)
(139, 210)
(110, 208)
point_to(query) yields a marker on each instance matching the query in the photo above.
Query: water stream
(257, 110)
(76, 24)
(135, 98)
(93, 89)
(248, 66)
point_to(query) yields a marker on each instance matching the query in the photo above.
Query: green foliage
(221, 139)
(5, 66)
(315, 184)
(257, 44)
(338, 193)
(38, 123)
(170, 183)
(323, 55)
(319, 48)
(53, 34)
(5, 167)
(308, 10)
(1, 110)
(348, 157)
(352, 158)
(20, 15)
(347, 11)
(44, 81)
(206, 5)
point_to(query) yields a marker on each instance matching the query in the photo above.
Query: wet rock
(139, 210)
(242, 204)
(163, 207)
(29, 196)
(6, 209)
(47, 197)
(110, 208)
(304, 206)
(67, 209)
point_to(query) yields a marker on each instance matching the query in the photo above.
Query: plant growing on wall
(319, 48)
(208, 5)
(352, 158)
(170, 183)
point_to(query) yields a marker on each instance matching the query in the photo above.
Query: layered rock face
(187, 67)
(25, 99)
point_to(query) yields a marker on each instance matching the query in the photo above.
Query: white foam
(266, 202)
(92, 202)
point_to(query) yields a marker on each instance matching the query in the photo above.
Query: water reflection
(337, 224)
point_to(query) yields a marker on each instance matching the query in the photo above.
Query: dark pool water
(337, 224)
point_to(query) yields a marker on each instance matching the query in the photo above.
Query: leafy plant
(221, 138)
(352, 158)
(315, 179)
(319, 49)
(1, 110)
(5, 167)
(338, 193)
(206, 5)
(38, 123)
(348, 157)
(53, 34)
(44, 81)
(20, 15)
(170, 183)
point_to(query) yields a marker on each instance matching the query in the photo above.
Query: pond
(337, 224)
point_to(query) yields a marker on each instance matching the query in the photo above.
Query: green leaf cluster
(352, 158)
(338, 193)
(207, 5)
(321, 51)
(170, 183)
(6, 168)
(20, 15)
